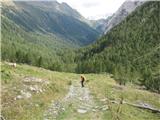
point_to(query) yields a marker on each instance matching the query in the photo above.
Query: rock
(26, 94)
(36, 105)
(81, 110)
(103, 100)
(46, 82)
(94, 110)
(21, 91)
(2, 118)
(55, 112)
(36, 89)
(40, 90)
(104, 108)
(36, 80)
(46, 119)
(63, 109)
(19, 97)
(145, 104)
(32, 88)
(96, 107)
(12, 64)
(81, 99)
(32, 79)
(23, 95)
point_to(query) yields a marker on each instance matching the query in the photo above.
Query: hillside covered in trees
(33, 33)
(41, 50)
(130, 51)
(54, 67)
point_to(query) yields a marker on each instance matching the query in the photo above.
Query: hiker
(82, 80)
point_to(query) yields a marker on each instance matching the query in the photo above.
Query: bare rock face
(8, 2)
(126, 8)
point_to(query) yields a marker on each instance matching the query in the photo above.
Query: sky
(94, 9)
(90, 9)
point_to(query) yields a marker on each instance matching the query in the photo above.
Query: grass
(26, 109)
(103, 86)
(100, 85)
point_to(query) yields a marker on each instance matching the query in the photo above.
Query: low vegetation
(27, 100)
(102, 86)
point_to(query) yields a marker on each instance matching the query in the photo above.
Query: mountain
(43, 33)
(51, 17)
(126, 8)
(130, 50)
(43, 50)
(100, 24)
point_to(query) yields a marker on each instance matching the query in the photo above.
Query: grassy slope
(25, 109)
(101, 86)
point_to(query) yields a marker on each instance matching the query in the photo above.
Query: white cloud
(94, 9)
(88, 5)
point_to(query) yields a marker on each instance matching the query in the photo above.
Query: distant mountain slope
(130, 51)
(51, 17)
(127, 7)
(100, 24)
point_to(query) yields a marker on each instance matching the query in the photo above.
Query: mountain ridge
(126, 8)
(51, 17)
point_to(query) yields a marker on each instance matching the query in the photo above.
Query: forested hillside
(54, 65)
(130, 51)
(43, 34)
(48, 51)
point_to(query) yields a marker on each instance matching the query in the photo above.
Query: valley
(46, 46)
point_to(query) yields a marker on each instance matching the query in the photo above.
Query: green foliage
(41, 36)
(130, 51)
(41, 50)
(40, 61)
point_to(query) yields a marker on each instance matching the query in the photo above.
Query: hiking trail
(78, 103)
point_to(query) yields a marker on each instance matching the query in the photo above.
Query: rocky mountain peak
(126, 8)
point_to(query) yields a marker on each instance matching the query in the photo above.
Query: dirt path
(77, 104)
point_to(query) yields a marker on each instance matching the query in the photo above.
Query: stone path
(77, 98)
